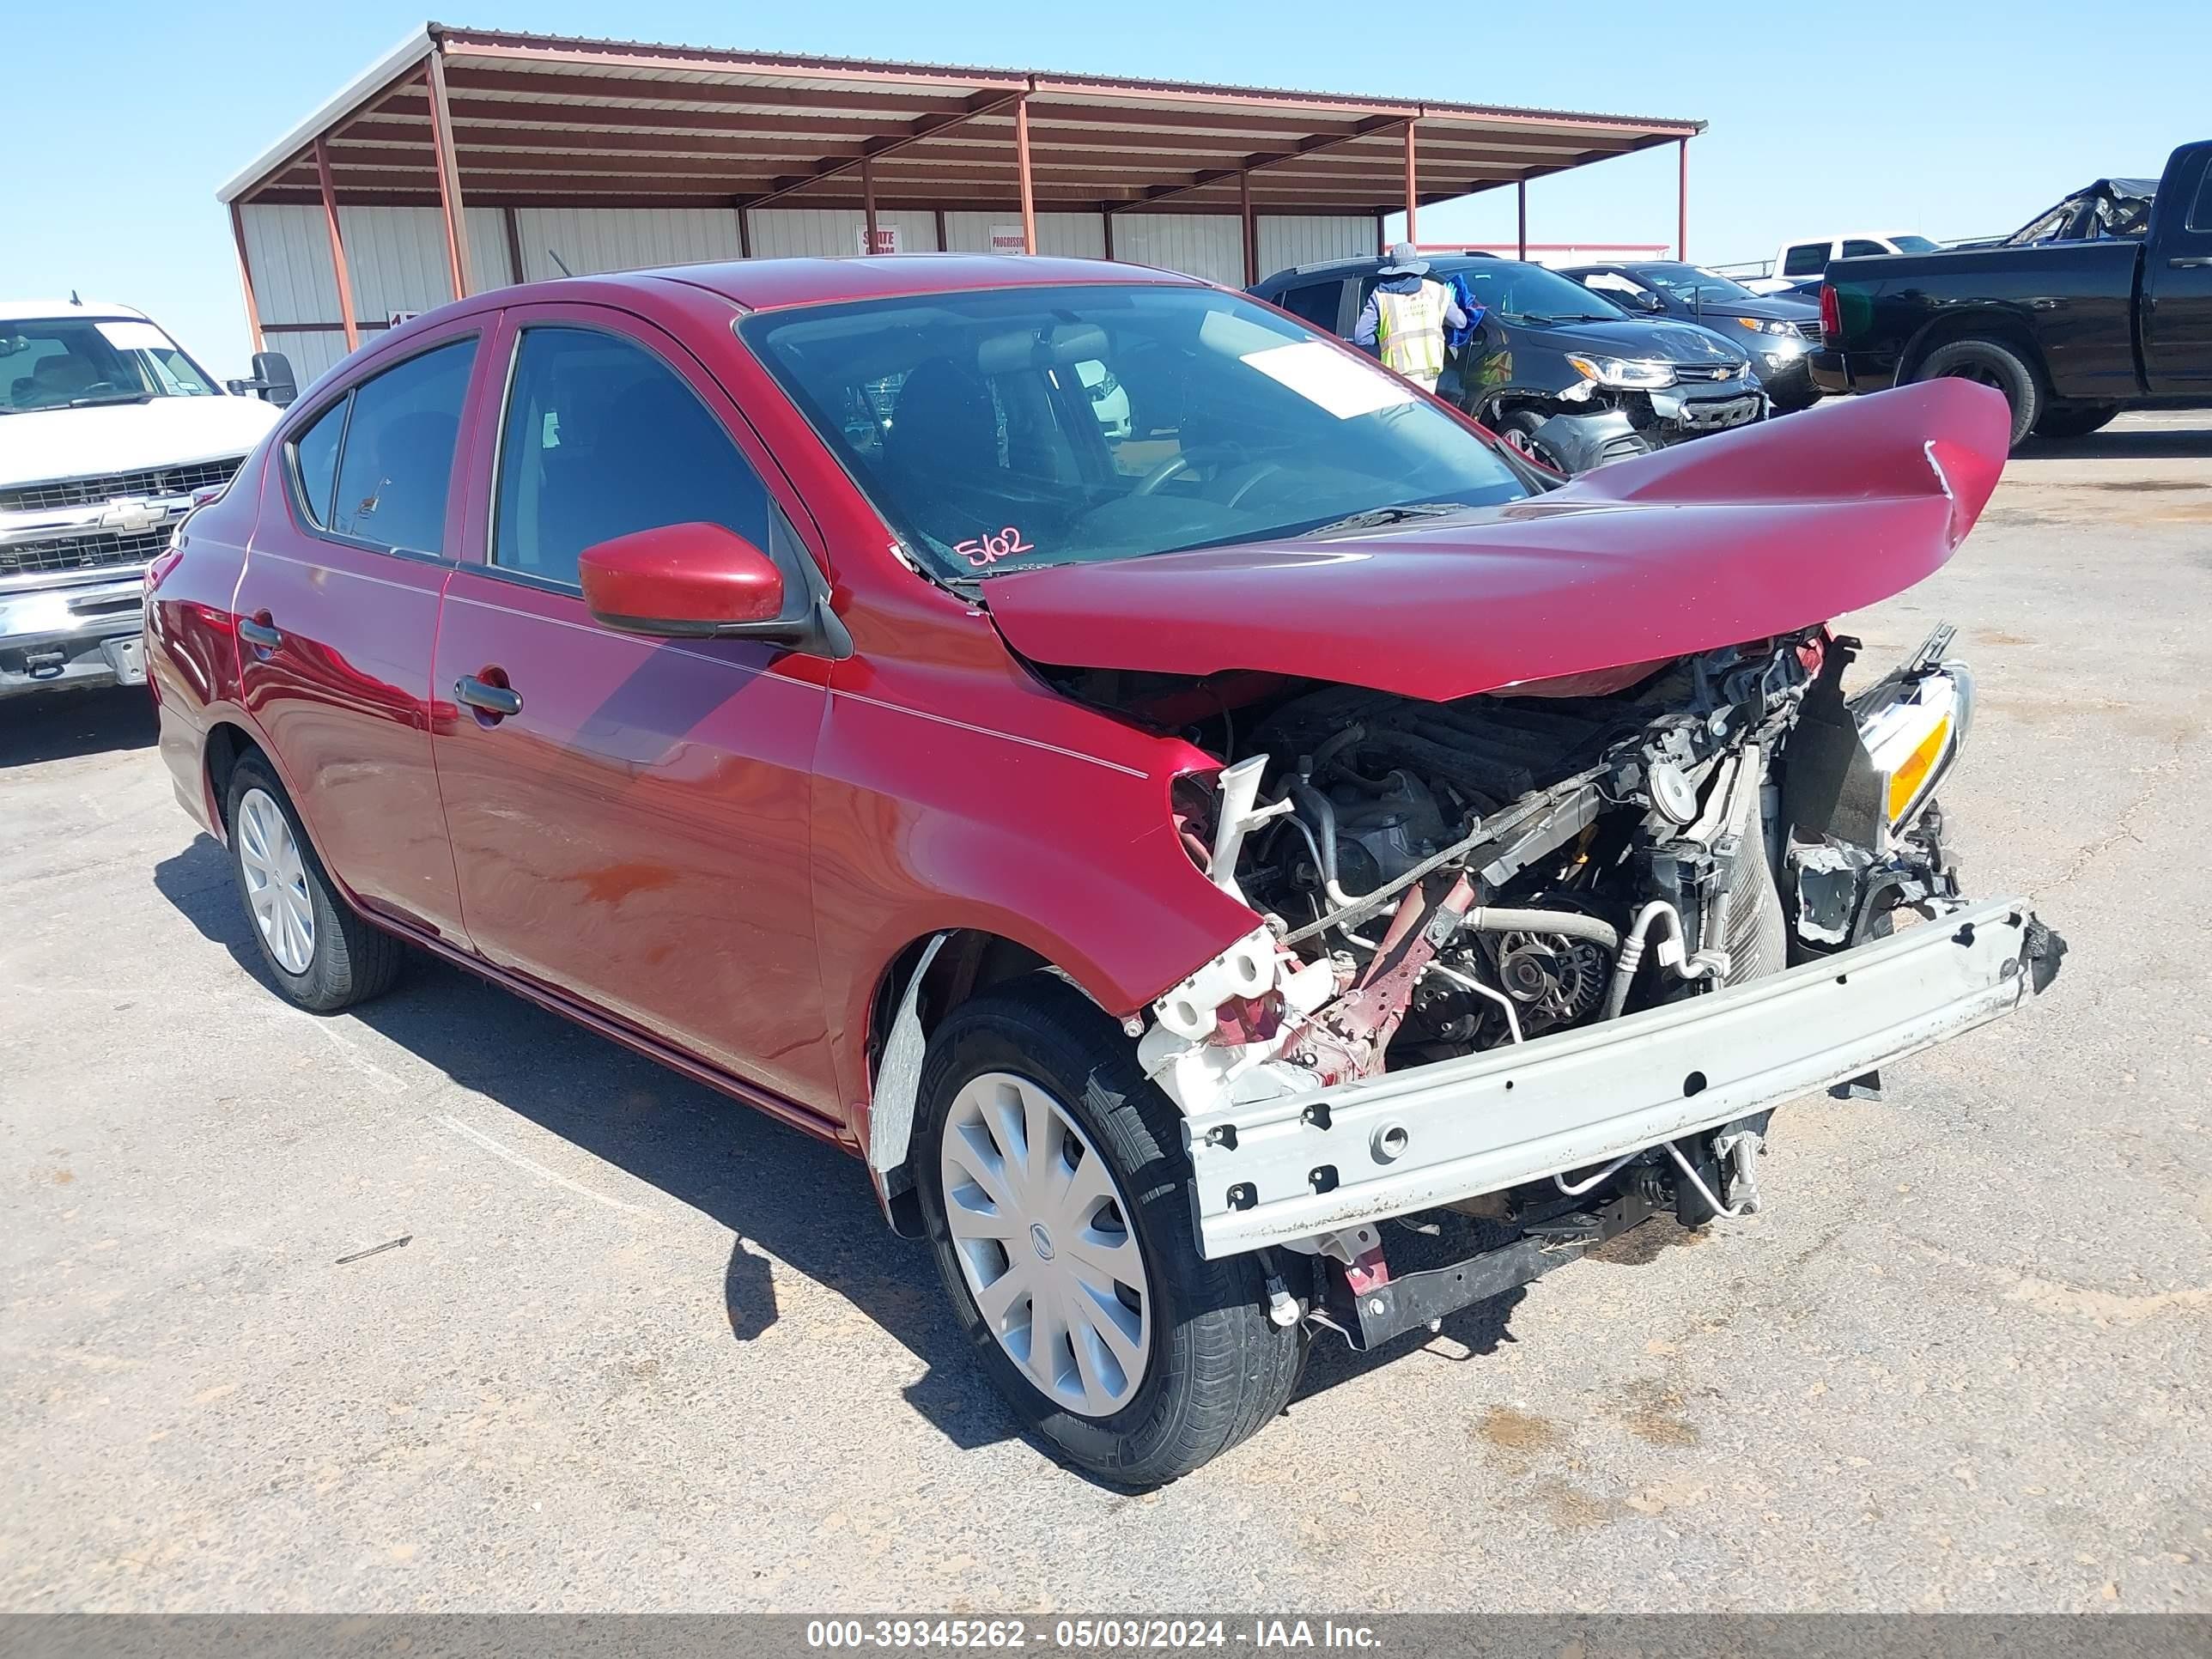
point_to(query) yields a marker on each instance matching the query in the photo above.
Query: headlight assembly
(1623, 371)
(1759, 327)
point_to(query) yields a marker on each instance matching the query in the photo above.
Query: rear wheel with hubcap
(1054, 1189)
(320, 953)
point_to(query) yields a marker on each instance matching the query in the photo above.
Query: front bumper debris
(1289, 1167)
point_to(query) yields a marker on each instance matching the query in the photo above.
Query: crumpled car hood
(1735, 537)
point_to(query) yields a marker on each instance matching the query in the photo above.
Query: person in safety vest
(1405, 317)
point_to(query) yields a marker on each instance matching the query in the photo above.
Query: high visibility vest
(1409, 332)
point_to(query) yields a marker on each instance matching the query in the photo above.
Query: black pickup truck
(2119, 315)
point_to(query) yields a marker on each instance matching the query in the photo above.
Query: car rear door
(2177, 319)
(629, 816)
(336, 609)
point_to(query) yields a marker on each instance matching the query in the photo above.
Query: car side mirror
(700, 581)
(273, 380)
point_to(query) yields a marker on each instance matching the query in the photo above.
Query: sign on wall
(887, 239)
(1008, 238)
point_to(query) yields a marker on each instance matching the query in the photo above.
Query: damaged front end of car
(1550, 962)
(1552, 908)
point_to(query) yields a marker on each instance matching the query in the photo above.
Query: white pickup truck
(1794, 264)
(110, 433)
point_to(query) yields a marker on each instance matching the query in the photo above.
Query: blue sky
(1949, 117)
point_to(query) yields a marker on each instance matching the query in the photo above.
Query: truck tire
(1989, 363)
(320, 955)
(1054, 1193)
(2075, 420)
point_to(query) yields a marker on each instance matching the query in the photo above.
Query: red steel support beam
(1106, 218)
(941, 247)
(449, 180)
(745, 231)
(868, 201)
(1251, 227)
(1022, 165)
(338, 244)
(514, 246)
(1521, 210)
(1413, 188)
(246, 278)
(1682, 204)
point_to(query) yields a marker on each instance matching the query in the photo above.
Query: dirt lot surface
(642, 1349)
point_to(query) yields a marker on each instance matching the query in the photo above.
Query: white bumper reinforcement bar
(1289, 1168)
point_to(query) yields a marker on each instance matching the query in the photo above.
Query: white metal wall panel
(487, 260)
(1208, 245)
(591, 240)
(1306, 239)
(1071, 235)
(397, 258)
(788, 233)
(289, 253)
(313, 354)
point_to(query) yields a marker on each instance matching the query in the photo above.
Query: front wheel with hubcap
(321, 955)
(1054, 1187)
(1519, 428)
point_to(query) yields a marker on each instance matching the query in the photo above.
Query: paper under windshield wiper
(1376, 517)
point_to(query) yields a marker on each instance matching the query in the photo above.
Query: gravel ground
(641, 1349)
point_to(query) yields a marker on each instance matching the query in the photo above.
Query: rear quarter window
(1806, 259)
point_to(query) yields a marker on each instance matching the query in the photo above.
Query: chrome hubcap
(275, 881)
(1044, 1242)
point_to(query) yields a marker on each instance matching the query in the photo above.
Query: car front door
(338, 607)
(629, 816)
(2177, 287)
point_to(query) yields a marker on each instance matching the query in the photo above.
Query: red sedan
(1235, 852)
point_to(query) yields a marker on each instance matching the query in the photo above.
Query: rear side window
(1318, 303)
(1858, 247)
(315, 454)
(602, 438)
(1806, 259)
(397, 461)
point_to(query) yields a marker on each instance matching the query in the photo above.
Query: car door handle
(497, 700)
(2190, 262)
(260, 630)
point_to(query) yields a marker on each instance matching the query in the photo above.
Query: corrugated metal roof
(561, 120)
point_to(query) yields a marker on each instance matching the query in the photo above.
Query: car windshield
(1010, 429)
(1694, 283)
(73, 363)
(1530, 293)
(1914, 245)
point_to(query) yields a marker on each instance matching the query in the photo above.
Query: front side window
(396, 460)
(1806, 259)
(602, 438)
(975, 423)
(77, 363)
(1914, 245)
(1859, 247)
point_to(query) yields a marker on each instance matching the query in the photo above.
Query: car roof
(23, 311)
(772, 284)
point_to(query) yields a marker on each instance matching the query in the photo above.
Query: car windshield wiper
(1375, 518)
(100, 402)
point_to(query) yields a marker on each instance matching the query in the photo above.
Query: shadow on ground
(779, 1192)
(2126, 444)
(51, 725)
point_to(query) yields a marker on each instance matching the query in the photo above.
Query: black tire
(1519, 429)
(1217, 1367)
(2075, 420)
(350, 961)
(1988, 364)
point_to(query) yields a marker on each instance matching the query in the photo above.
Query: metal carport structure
(465, 159)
